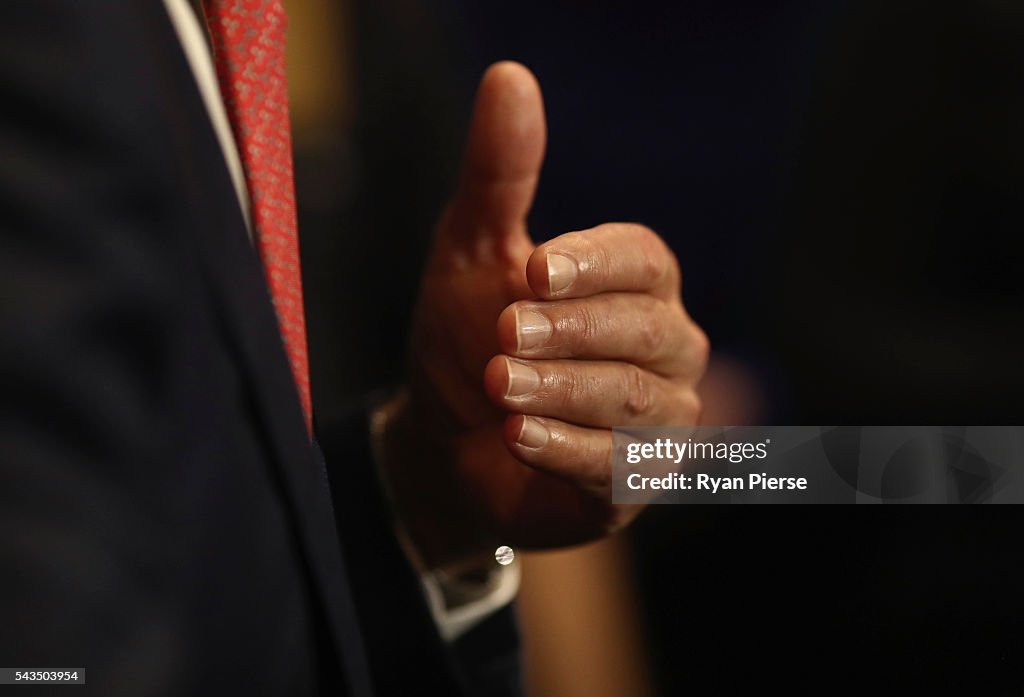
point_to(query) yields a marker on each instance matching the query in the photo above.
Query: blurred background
(843, 183)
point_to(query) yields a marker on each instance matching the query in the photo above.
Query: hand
(523, 357)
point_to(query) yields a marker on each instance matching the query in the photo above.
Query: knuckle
(654, 261)
(656, 258)
(641, 231)
(638, 395)
(701, 348)
(585, 327)
(651, 332)
(675, 272)
(573, 388)
(658, 261)
(692, 408)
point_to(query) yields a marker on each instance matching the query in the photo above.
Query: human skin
(524, 357)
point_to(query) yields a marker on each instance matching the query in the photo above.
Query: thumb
(502, 160)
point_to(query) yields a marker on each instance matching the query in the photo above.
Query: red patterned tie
(248, 48)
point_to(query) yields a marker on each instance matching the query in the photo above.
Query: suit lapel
(236, 281)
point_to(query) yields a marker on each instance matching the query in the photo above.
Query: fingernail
(532, 329)
(522, 379)
(532, 434)
(561, 272)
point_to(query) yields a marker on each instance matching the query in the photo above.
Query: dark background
(843, 183)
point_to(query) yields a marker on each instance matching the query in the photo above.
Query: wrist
(418, 471)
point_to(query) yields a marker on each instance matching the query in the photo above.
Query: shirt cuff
(457, 602)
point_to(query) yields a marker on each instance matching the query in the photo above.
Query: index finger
(609, 257)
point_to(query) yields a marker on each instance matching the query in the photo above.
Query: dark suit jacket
(164, 521)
